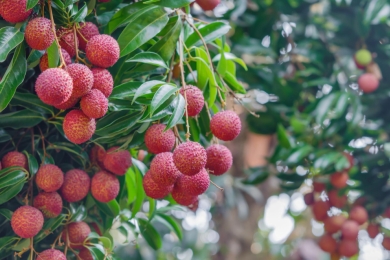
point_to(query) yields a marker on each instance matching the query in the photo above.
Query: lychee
(359, 214)
(225, 125)
(117, 161)
(336, 200)
(70, 103)
(14, 159)
(49, 177)
(350, 230)
(333, 224)
(39, 34)
(327, 243)
(85, 254)
(97, 155)
(44, 61)
(208, 5)
(14, 11)
(318, 186)
(87, 31)
(320, 210)
(387, 213)
(157, 140)
(373, 230)
(183, 198)
(102, 50)
(154, 190)
(94, 104)
(76, 185)
(219, 159)
(103, 81)
(194, 206)
(363, 57)
(51, 254)
(190, 158)
(82, 79)
(348, 248)
(163, 169)
(54, 86)
(368, 82)
(67, 41)
(27, 221)
(194, 185)
(78, 127)
(386, 243)
(104, 186)
(339, 179)
(195, 99)
(309, 198)
(76, 233)
(50, 203)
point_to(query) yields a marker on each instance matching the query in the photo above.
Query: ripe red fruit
(27, 221)
(102, 51)
(195, 99)
(219, 159)
(76, 185)
(14, 159)
(320, 210)
(85, 254)
(49, 178)
(70, 103)
(163, 169)
(67, 41)
(339, 179)
(76, 232)
(194, 206)
(336, 200)
(350, 230)
(51, 254)
(82, 79)
(94, 104)
(368, 82)
(318, 186)
(97, 155)
(157, 140)
(182, 198)
(193, 185)
(78, 127)
(386, 243)
(190, 158)
(117, 161)
(154, 190)
(373, 230)
(386, 214)
(309, 198)
(333, 224)
(44, 61)
(50, 203)
(54, 86)
(208, 5)
(87, 31)
(327, 243)
(359, 214)
(348, 248)
(14, 11)
(104, 186)
(39, 34)
(225, 125)
(103, 81)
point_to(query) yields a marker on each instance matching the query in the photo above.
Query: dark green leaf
(140, 193)
(146, 87)
(20, 119)
(152, 208)
(131, 186)
(178, 113)
(234, 84)
(298, 154)
(373, 9)
(53, 55)
(81, 14)
(150, 234)
(126, 90)
(283, 137)
(175, 3)
(6, 213)
(209, 33)
(162, 95)
(10, 192)
(32, 163)
(257, 176)
(49, 226)
(31, 102)
(10, 37)
(171, 223)
(150, 58)
(31, 4)
(110, 208)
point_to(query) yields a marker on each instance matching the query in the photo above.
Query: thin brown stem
(53, 27)
(220, 188)
(31, 248)
(184, 86)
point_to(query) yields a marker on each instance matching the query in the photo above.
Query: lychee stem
(77, 46)
(220, 188)
(53, 27)
(184, 84)
(31, 248)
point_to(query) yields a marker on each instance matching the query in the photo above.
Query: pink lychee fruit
(94, 104)
(157, 140)
(163, 169)
(154, 190)
(117, 161)
(27, 221)
(78, 127)
(49, 178)
(190, 158)
(219, 159)
(104, 186)
(225, 125)
(76, 185)
(195, 99)
(102, 50)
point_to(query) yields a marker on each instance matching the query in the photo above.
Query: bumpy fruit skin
(44, 61)
(320, 210)
(309, 198)
(70, 103)
(39, 34)
(78, 127)
(102, 51)
(358, 214)
(154, 190)
(27, 221)
(193, 185)
(97, 155)
(163, 169)
(373, 230)
(327, 243)
(190, 158)
(319, 186)
(50, 203)
(157, 140)
(195, 99)
(54, 86)
(386, 243)
(183, 198)
(117, 161)
(82, 79)
(49, 178)
(51, 254)
(94, 104)
(350, 230)
(363, 57)
(194, 206)
(225, 125)
(76, 185)
(76, 232)
(219, 159)
(14, 11)
(208, 5)
(103, 81)
(87, 31)
(339, 179)
(14, 159)
(85, 254)
(348, 248)
(104, 186)
(66, 40)
(336, 200)
(368, 82)
(333, 224)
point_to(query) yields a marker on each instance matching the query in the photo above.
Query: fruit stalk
(184, 84)
(53, 27)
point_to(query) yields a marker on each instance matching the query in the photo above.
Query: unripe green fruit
(363, 57)
(27, 221)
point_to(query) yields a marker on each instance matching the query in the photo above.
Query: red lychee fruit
(49, 177)
(339, 179)
(368, 82)
(359, 214)
(70, 103)
(386, 214)
(85, 254)
(163, 169)
(193, 185)
(327, 243)
(27, 221)
(104, 186)
(78, 127)
(50, 203)
(76, 185)
(320, 210)
(67, 41)
(225, 125)
(194, 206)
(51, 254)
(386, 243)
(336, 200)
(373, 230)
(219, 159)
(348, 248)
(54, 86)
(154, 190)
(76, 232)
(102, 50)
(309, 198)
(350, 230)
(87, 31)
(157, 140)
(335, 256)
(82, 79)
(97, 155)
(39, 34)
(195, 99)
(318, 186)
(333, 224)
(44, 61)
(183, 198)
(94, 104)
(14, 11)
(190, 158)
(117, 161)
(103, 81)
(208, 5)
(14, 159)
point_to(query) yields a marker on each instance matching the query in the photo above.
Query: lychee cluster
(369, 81)
(208, 5)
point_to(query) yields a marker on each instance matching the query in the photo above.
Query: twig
(53, 27)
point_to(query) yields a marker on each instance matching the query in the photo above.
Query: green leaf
(233, 83)
(31, 102)
(131, 186)
(53, 55)
(202, 57)
(49, 226)
(179, 104)
(324, 106)
(150, 234)
(373, 9)
(31, 4)
(111, 208)
(6, 213)
(11, 191)
(150, 58)
(209, 33)
(91, 5)
(20, 119)
(32, 163)
(222, 65)
(81, 14)
(34, 58)
(12, 178)
(152, 208)
(126, 90)
(147, 86)
(13, 77)
(256, 176)
(283, 137)
(298, 154)
(171, 223)
(78, 212)
(231, 56)
(7, 241)
(175, 3)
(162, 95)
(10, 37)
(140, 193)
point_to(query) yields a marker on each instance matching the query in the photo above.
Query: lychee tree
(86, 89)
